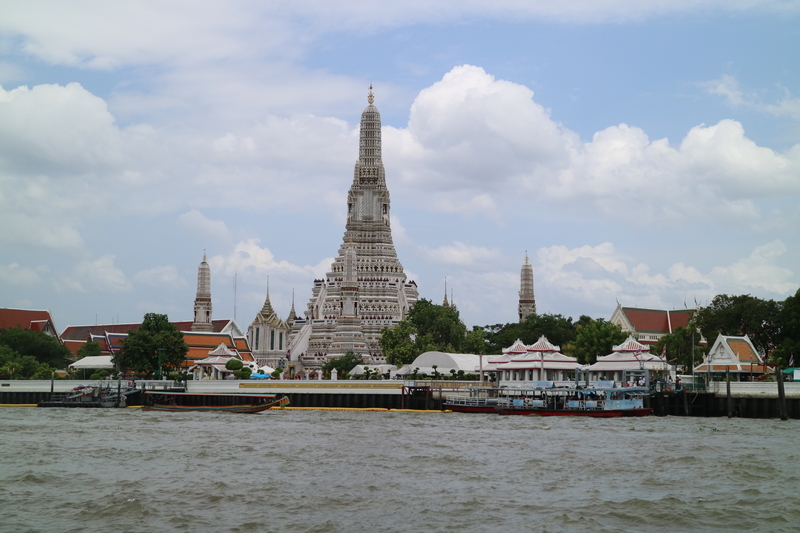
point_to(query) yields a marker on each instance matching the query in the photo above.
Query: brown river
(123, 470)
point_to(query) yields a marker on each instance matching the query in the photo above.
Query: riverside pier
(747, 400)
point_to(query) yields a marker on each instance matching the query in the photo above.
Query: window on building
(280, 340)
(258, 330)
(272, 340)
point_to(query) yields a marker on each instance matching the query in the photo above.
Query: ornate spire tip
(370, 96)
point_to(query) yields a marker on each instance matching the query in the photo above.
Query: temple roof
(34, 320)
(657, 320)
(736, 354)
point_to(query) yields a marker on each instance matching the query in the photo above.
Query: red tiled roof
(74, 346)
(24, 318)
(83, 332)
(680, 317)
(655, 320)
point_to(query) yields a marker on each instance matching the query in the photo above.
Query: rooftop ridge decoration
(543, 345)
(631, 345)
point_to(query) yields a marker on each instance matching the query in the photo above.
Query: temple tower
(202, 301)
(527, 302)
(366, 281)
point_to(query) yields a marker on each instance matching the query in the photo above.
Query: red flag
(664, 351)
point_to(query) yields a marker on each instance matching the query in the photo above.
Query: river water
(123, 470)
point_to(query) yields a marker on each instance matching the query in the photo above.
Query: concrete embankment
(301, 393)
(743, 404)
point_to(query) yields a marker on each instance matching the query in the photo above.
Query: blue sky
(646, 153)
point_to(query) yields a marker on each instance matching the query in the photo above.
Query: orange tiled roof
(209, 339)
(743, 351)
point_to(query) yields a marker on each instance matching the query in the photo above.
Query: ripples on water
(79, 470)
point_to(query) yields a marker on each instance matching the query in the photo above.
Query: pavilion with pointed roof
(631, 355)
(736, 355)
(540, 361)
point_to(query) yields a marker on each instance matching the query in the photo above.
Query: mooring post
(781, 393)
(728, 384)
(685, 402)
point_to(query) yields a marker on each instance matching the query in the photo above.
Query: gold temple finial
(526, 256)
(204, 255)
(370, 96)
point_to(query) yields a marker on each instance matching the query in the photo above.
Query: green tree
(16, 366)
(475, 342)
(429, 327)
(343, 364)
(42, 347)
(789, 332)
(398, 343)
(140, 351)
(741, 315)
(682, 346)
(89, 349)
(242, 373)
(594, 338)
(234, 364)
(442, 325)
(558, 330)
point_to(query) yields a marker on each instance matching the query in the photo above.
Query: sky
(641, 153)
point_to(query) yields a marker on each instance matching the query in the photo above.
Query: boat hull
(470, 408)
(233, 408)
(609, 413)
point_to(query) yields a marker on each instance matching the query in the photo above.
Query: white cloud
(250, 259)
(57, 130)
(463, 255)
(787, 106)
(474, 143)
(14, 274)
(161, 276)
(728, 87)
(197, 224)
(599, 275)
(99, 35)
(96, 275)
(759, 271)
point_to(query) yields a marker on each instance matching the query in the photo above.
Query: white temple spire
(527, 300)
(202, 301)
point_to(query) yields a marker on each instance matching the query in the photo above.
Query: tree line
(431, 327)
(773, 327)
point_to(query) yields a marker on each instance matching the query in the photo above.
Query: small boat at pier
(229, 403)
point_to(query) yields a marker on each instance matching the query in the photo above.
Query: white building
(631, 355)
(541, 361)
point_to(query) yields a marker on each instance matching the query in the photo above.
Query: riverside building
(366, 288)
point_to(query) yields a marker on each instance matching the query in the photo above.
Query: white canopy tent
(358, 370)
(95, 361)
(469, 363)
